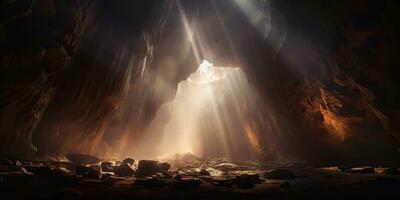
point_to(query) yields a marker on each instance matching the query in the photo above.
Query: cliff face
(89, 76)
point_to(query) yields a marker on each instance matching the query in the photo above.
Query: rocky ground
(188, 177)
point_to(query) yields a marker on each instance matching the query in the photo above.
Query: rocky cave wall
(88, 76)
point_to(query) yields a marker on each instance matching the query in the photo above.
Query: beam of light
(208, 117)
(257, 15)
(189, 32)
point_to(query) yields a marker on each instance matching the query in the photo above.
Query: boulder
(220, 181)
(247, 181)
(87, 172)
(204, 172)
(163, 166)
(83, 159)
(167, 175)
(147, 168)
(107, 166)
(124, 170)
(226, 167)
(280, 174)
(129, 161)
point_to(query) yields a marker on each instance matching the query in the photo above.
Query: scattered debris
(83, 159)
(129, 161)
(87, 172)
(124, 170)
(147, 168)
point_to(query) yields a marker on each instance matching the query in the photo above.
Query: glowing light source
(210, 116)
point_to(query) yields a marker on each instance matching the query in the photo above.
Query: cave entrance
(212, 115)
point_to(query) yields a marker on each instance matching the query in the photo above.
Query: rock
(87, 172)
(124, 170)
(163, 166)
(361, 170)
(147, 168)
(285, 184)
(6, 162)
(107, 179)
(226, 167)
(392, 171)
(40, 171)
(129, 161)
(280, 174)
(167, 175)
(224, 182)
(84, 159)
(247, 181)
(150, 182)
(204, 172)
(107, 166)
(186, 183)
(177, 177)
(17, 163)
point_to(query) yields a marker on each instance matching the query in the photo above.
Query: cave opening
(190, 99)
(214, 114)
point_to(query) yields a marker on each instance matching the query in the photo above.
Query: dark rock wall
(88, 76)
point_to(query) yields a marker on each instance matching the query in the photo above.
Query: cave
(190, 99)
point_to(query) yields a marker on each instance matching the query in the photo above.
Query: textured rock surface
(87, 76)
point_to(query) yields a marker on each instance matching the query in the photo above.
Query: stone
(226, 167)
(129, 161)
(247, 181)
(150, 182)
(147, 168)
(167, 175)
(107, 166)
(220, 181)
(124, 170)
(163, 166)
(361, 170)
(279, 174)
(84, 159)
(204, 172)
(186, 183)
(87, 172)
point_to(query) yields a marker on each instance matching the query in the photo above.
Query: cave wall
(88, 76)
